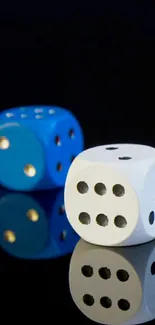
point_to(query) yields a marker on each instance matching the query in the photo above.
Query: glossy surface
(35, 226)
(114, 285)
(93, 285)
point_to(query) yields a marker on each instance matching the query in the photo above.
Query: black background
(97, 60)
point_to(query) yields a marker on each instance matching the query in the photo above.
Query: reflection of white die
(110, 195)
(114, 285)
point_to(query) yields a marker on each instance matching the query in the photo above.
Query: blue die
(35, 226)
(37, 147)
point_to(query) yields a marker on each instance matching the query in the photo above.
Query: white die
(110, 194)
(114, 285)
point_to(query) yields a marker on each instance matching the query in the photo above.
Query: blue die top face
(60, 137)
(35, 113)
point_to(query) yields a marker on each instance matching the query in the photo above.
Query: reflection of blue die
(37, 147)
(23, 225)
(62, 237)
(35, 226)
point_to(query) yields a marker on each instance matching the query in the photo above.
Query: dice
(109, 194)
(37, 147)
(114, 285)
(35, 226)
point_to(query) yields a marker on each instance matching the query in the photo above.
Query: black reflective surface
(43, 258)
(34, 225)
(114, 285)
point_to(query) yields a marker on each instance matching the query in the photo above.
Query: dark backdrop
(96, 60)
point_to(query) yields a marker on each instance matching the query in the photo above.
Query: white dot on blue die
(51, 111)
(9, 114)
(38, 117)
(38, 110)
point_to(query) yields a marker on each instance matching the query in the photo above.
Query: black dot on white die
(88, 300)
(153, 268)
(104, 273)
(122, 275)
(111, 148)
(102, 220)
(84, 218)
(151, 217)
(87, 271)
(124, 158)
(100, 189)
(120, 221)
(106, 302)
(82, 187)
(118, 190)
(123, 304)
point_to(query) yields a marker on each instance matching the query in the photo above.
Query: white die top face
(95, 280)
(101, 205)
(125, 153)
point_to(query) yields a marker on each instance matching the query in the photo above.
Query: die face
(104, 285)
(148, 203)
(119, 154)
(135, 169)
(22, 167)
(25, 113)
(23, 225)
(60, 136)
(101, 205)
(65, 143)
